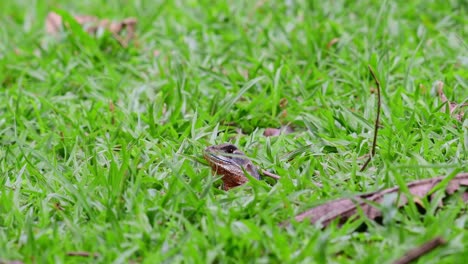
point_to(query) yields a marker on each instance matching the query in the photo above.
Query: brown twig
(425, 248)
(377, 120)
(271, 175)
(82, 254)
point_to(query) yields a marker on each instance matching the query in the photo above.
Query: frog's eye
(230, 149)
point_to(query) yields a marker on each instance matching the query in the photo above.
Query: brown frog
(230, 162)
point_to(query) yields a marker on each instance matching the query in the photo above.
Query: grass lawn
(101, 145)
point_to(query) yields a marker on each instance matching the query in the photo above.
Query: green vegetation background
(100, 145)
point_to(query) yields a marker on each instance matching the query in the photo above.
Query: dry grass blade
(332, 42)
(346, 208)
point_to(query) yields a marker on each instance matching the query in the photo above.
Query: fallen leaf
(274, 132)
(453, 107)
(92, 25)
(346, 208)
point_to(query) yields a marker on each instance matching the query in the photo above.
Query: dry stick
(271, 175)
(425, 248)
(82, 254)
(377, 120)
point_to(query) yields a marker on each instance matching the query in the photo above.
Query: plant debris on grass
(101, 131)
(274, 132)
(54, 24)
(345, 208)
(455, 109)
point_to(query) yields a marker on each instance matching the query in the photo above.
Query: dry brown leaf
(92, 24)
(274, 132)
(346, 208)
(453, 107)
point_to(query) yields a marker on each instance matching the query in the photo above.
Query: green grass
(128, 182)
